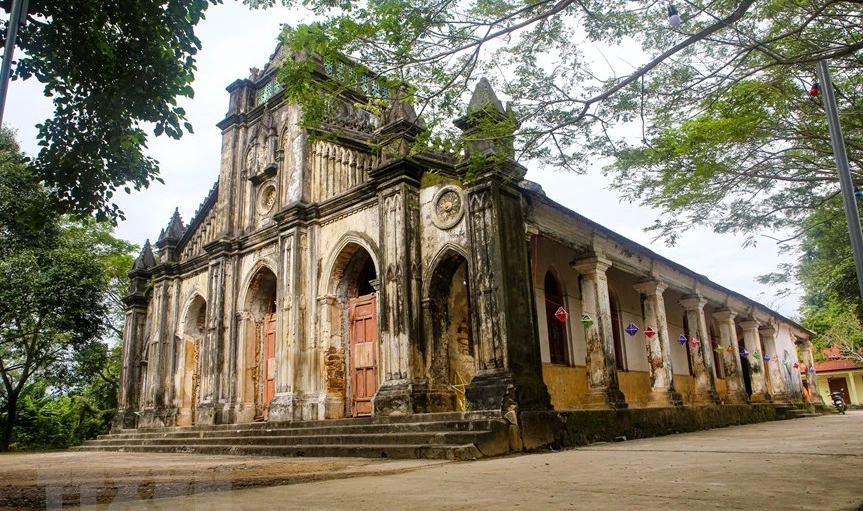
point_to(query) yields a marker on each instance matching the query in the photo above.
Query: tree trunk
(11, 413)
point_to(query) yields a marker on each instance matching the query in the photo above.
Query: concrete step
(424, 451)
(285, 429)
(438, 436)
(393, 419)
(445, 437)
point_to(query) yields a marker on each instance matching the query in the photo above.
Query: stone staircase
(450, 436)
(789, 411)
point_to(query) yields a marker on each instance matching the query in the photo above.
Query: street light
(19, 12)
(846, 184)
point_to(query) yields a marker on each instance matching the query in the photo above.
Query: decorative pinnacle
(145, 259)
(484, 97)
(175, 228)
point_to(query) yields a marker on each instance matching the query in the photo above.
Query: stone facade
(334, 272)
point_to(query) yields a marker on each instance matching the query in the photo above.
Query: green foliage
(831, 303)
(109, 67)
(53, 308)
(727, 138)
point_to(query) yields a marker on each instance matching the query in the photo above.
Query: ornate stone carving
(448, 207)
(266, 198)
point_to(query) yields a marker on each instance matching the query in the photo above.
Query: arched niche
(193, 332)
(258, 362)
(448, 330)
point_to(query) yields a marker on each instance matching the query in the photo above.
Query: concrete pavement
(813, 463)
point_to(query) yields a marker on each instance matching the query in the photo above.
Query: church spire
(170, 237)
(145, 259)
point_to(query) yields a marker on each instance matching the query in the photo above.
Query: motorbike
(838, 402)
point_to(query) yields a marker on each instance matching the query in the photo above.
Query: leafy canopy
(53, 279)
(110, 67)
(706, 118)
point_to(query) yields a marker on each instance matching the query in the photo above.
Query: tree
(51, 286)
(109, 67)
(718, 103)
(831, 303)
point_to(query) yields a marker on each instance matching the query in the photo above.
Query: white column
(700, 355)
(772, 369)
(662, 391)
(752, 343)
(731, 356)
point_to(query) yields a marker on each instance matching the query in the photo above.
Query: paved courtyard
(813, 463)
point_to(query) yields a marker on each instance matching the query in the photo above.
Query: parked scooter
(838, 402)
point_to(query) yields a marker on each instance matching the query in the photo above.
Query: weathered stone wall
(575, 428)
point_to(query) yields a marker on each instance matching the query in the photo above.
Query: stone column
(752, 343)
(509, 368)
(700, 355)
(731, 356)
(662, 391)
(808, 362)
(283, 406)
(399, 301)
(603, 387)
(772, 370)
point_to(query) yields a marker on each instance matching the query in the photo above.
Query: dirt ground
(802, 464)
(63, 479)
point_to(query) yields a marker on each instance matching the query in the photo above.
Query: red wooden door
(839, 385)
(364, 336)
(269, 358)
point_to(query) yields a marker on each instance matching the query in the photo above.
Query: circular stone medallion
(266, 198)
(448, 207)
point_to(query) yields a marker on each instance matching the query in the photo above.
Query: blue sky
(236, 39)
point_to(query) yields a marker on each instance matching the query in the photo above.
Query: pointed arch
(340, 256)
(445, 252)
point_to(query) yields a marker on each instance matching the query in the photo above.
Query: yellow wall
(567, 385)
(722, 389)
(854, 384)
(685, 385)
(635, 385)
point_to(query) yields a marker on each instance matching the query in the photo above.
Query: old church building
(344, 275)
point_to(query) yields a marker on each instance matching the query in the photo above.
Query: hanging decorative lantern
(756, 355)
(682, 340)
(815, 90)
(730, 349)
(719, 349)
(796, 365)
(812, 369)
(694, 342)
(649, 332)
(744, 353)
(561, 315)
(857, 192)
(586, 320)
(673, 16)
(631, 329)
(785, 362)
(767, 358)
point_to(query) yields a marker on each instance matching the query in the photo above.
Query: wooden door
(839, 385)
(269, 358)
(363, 339)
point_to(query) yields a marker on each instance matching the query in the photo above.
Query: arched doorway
(617, 332)
(557, 346)
(259, 353)
(453, 365)
(353, 311)
(194, 327)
